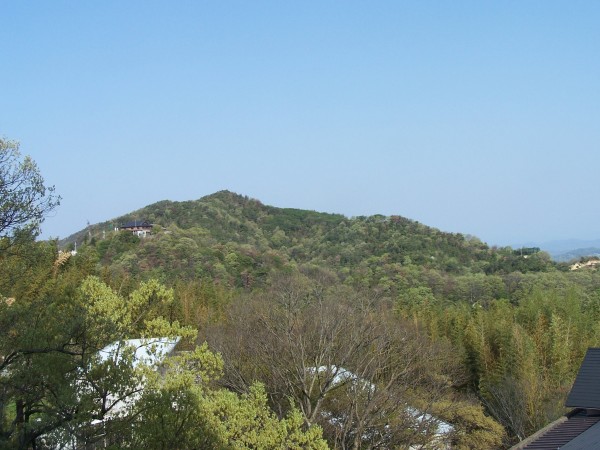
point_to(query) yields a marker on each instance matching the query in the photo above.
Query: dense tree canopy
(349, 365)
(55, 387)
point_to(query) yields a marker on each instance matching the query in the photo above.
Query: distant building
(579, 429)
(526, 251)
(147, 351)
(137, 227)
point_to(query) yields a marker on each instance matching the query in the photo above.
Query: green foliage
(181, 413)
(240, 242)
(473, 429)
(342, 359)
(54, 385)
(522, 355)
(247, 422)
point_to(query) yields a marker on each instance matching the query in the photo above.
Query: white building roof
(148, 351)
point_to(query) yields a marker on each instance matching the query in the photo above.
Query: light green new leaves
(246, 422)
(182, 409)
(104, 305)
(194, 369)
(137, 316)
(160, 326)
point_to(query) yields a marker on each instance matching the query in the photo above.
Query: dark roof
(580, 429)
(586, 389)
(565, 432)
(136, 224)
(586, 440)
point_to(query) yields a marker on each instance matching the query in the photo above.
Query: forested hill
(502, 330)
(237, 239)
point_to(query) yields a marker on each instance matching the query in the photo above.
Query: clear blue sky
(475, 117)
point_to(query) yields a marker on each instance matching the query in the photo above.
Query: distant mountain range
(569, 249)
(576, 254)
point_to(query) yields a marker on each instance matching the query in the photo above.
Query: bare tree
(507, 402)
(24, 199)
(342, 359)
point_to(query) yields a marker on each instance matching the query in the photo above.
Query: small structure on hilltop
(579, 429)
(137, 227)
(526, 252)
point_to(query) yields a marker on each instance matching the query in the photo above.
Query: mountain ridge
(230, 236)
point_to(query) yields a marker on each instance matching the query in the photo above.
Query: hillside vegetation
(239, 241)
(367, 331)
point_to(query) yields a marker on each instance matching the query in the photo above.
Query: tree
(342, 358)
(24, 199)
(50, 375)
(56, 388)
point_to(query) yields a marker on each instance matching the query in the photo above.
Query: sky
(476, 117)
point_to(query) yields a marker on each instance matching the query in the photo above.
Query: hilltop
(232, 237)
